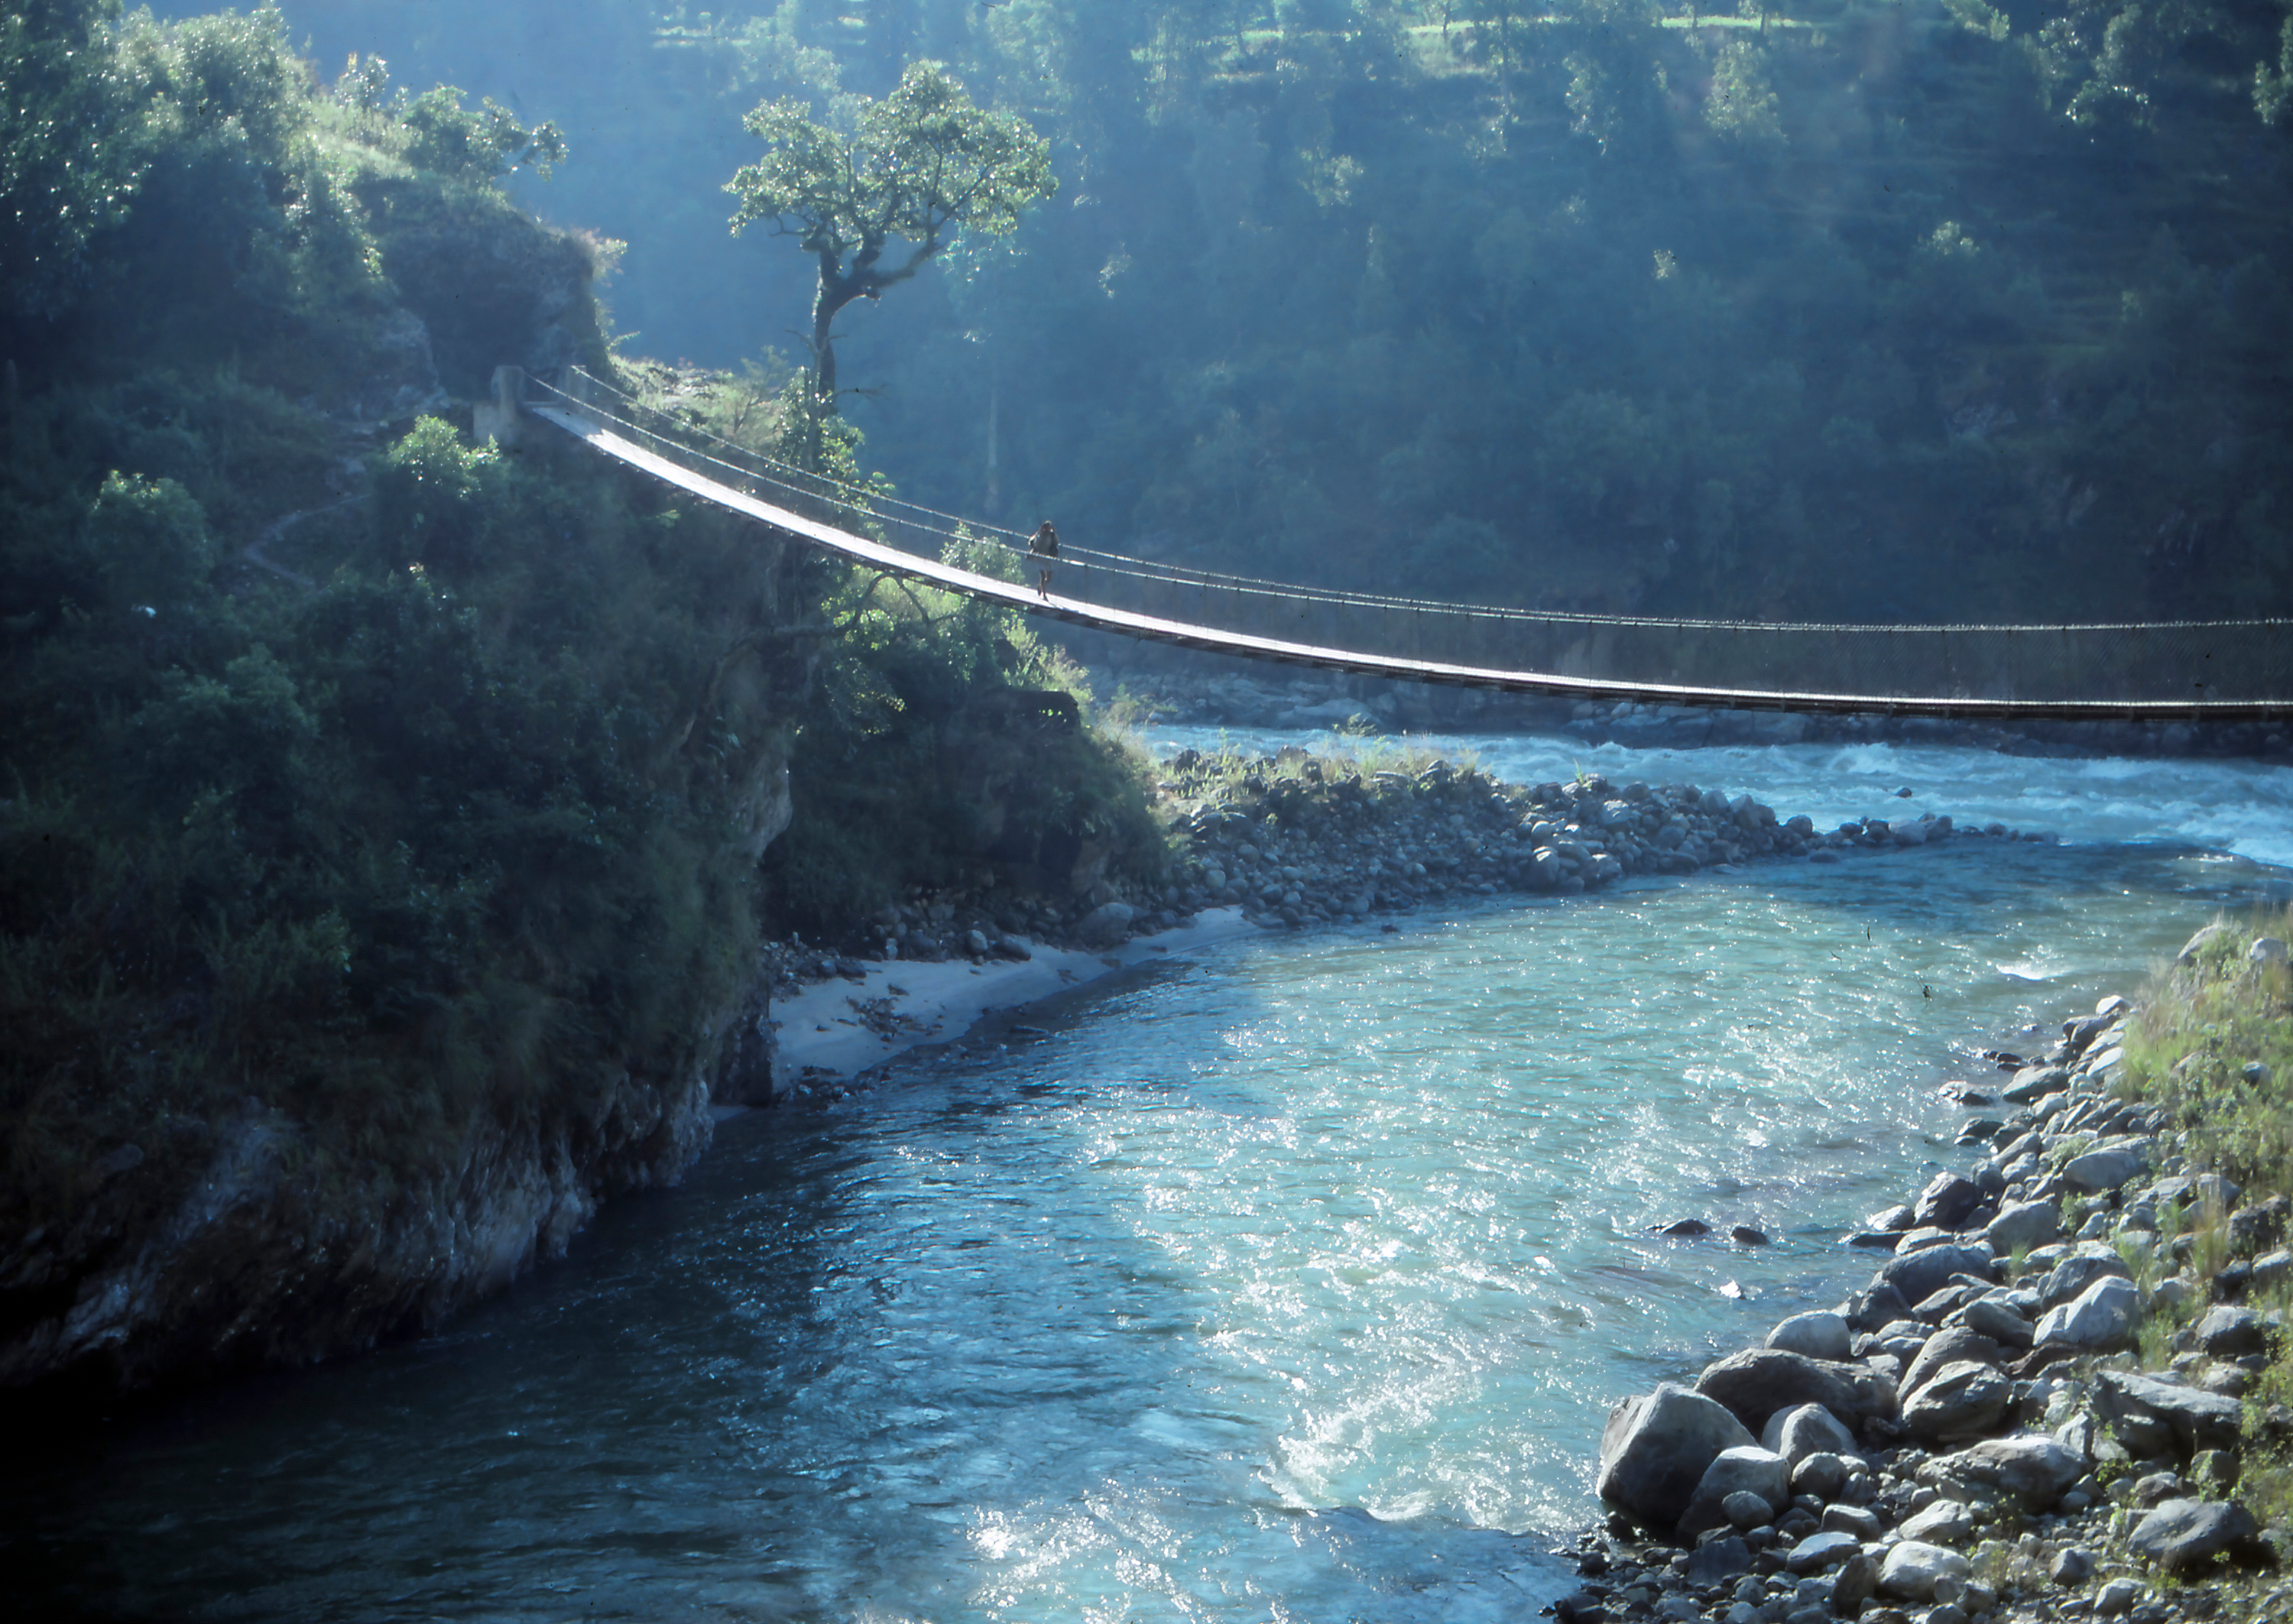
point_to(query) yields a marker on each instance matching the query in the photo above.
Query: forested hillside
(381, 808)
(1871, 311)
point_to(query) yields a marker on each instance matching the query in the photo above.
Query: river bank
(1297, 1269)
(2038, 1408)
(1288, 838)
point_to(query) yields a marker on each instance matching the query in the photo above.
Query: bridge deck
(1219, 639)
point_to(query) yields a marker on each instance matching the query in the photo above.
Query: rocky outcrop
(1656, 1450)
(254, 1266)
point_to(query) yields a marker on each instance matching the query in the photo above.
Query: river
(1288, 1282)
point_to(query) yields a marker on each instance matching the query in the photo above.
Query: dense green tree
(65, 174)
(918, 165)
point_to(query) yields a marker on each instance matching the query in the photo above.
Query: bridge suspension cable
(2217, 670)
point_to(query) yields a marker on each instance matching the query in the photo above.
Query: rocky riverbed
(1297, 838)
(1973, 1438)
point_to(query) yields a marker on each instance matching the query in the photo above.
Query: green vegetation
(405, 792)
(1863, 311)
(2213, 1046)
(922, 163)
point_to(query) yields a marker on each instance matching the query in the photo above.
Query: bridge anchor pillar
(502, 419)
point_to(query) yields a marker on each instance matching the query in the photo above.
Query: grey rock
(2073, 1564)
(1819, 1552)
(1964, 1400)
(1821, 1334)
(2072, 1276)
(1878, 1304)
(2031, 1466)
(1942, 1522)
(2110, 1164)
(1996, 1320)
(1865, 1525)
(2267, 951)
(1821, 1474)
(2229, 1332)
(1657, 1448)
(2116, 1598)
(1745, 1469)
(1108, 924)
(1755, 1384)
(1913, 1568)
(1918, 1275)
(1949, 1346)
(2023, 1226)
(1804, 1430)
(1855, 1583)
(2181, 1534)
(1894, 1220)
(2105, 1315)
(2200, 1419)
(1747, 1510)
(2032, 1083)
(2196, 944)
(1946, 1201)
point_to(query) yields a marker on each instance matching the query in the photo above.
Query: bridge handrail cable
(866, 501)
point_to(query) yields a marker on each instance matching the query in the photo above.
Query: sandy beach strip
(835, 1029)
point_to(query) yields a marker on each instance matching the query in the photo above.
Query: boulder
(1817, 1552)
(1657, 1448)
(1822, 1474)
(1944, 1522)
(1919, 1274)
(1963, 1400)
(1879, 1305)
(1913, 1568)
(2076, 1272)
(2030, 1466)
(2104, 1316)
(2032, 1083)
(2229, 1332)
(1746, 1510)
(1821, 1334)
(1946, 1201)
(2181, 1534)
(1865, 1525)
(1855, 1583)
(2196, 944)
(1995, 1319)
(1106, 925)
(1745, 1469)
(1804, 1430)
(2200, 1419)
(1755, 1384)
(2110, 1164)
(2023, 1226)
(1949, 1346)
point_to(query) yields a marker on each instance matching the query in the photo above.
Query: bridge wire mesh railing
(2194, 666)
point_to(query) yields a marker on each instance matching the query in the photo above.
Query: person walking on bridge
(1045, 545)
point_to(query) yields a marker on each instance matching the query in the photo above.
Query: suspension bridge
(2217, 670)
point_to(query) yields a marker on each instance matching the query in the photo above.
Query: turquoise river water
(1290, 1282)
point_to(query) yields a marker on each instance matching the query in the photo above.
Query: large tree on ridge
(918, 165)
